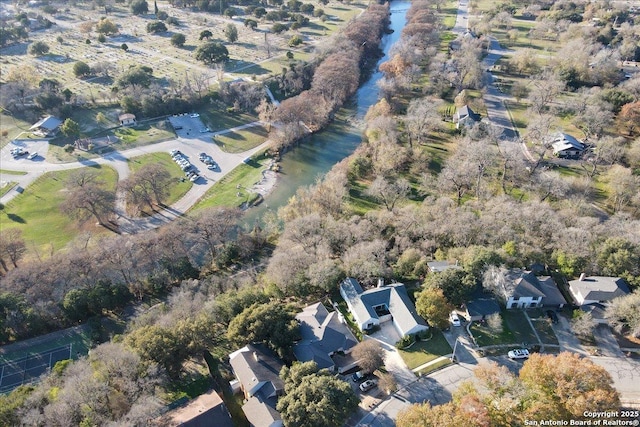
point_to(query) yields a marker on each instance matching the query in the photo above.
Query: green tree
(139, 7)
(205, 35)
(434, 307)
(231, 32)
(456, 284)
(212, 53)
(178, 40)
(278, 28)
(156, 27)
(272, 323)
(314, 398)
(295, 41)
(70, 128)
(251, 24)
(105, 26)
(38, 48)
(620, 257)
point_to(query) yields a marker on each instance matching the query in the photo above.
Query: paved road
(191, 146)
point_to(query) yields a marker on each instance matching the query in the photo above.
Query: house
(566, 145)
(257, 370)
(480, 308)
(323, 335)
(523, 289)
(592, 289)
(465, 117)
(440, 266)
(206, 410)
(385, 303)
(127, 119)
(47, 126)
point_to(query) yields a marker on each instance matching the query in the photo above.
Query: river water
(317, 155)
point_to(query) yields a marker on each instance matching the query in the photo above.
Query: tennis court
(29, 368)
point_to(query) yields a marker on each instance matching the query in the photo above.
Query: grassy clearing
(241, 140)
(79, 337)
(37, 211)
(425, 351)
(13, 127)
(8, 172)
(216, 120)
(233, 189)
(178, 186)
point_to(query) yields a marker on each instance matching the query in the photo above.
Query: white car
(32, 156)
(368, 385)
(454, 319)
(521, 353)
(194, 115)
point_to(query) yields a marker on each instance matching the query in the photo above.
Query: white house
(523, 289)
(127, 119)
(597, 289)
(385, 303)
(566, 145)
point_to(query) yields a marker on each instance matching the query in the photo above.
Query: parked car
(20, 153)
(368, 385)
(174, 152)
(211, 167)
(203, 157)
(194, 178)
(454, 319)
(552, 315)
(521, 353)
(32, 156)
(205, 130)
(194, 115)
(358, 376)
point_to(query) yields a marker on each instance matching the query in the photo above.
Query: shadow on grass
(16, 218)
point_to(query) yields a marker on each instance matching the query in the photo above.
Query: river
(317, 155)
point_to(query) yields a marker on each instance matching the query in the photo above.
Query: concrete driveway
(566, 337)
(606, 342)
(387, 336)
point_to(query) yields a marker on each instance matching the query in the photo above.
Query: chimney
(380, 282)
(581, 279)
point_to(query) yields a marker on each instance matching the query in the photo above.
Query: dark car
(552, 315)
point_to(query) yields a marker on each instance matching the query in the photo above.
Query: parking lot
(189, 126)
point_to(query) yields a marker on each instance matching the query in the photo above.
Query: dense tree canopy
(212, 53)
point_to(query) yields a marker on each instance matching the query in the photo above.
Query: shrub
(406, 341)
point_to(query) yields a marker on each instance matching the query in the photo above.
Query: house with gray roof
(204, 411)
(257, 369)
(47, 126)
(565, 145)
(323, 335)
(440, 266)
(465, 117)
(385, 303)
(480, 308)
(523, 289)
(592, 289)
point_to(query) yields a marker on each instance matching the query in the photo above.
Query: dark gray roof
(262, 412)
(49, 123)
(600, 288)
(322, 333)
(482, 307)
(204, 411)
(552, 295)
(255, 366)
(466, 111)
(521, 284)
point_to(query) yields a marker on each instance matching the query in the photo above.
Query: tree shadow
(16, 218)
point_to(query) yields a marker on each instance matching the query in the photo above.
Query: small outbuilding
(127, 119)
(465, 117)
(46, 127)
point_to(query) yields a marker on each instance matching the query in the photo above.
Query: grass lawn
(485, 336)
(357, 201)
(8, 172)
(217, 120)
(13, 127)
(37, 211)
(241, 140)
(178, 186)
(233, 189)
(79, 337)
(425, 351)
(434, 367)
(545, 331)
(517, 322)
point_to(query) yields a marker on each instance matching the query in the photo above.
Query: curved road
(118, 160)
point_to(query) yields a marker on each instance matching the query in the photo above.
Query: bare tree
(87, 197)
(422, 117)
(494, 323)
(545, 88)
(369, 354)
(389, 192)
(12, 247)
(582, 324)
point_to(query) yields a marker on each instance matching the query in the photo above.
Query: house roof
(127, 116)
(466, 111)
(482, 307)
(600, 288)
(562, 141)
(206, 410)
(394, 296)
(49, 123)
(261, 413)
(552, 295)
(255, 367)
(322, 333)
(521, 284)
(440, 266)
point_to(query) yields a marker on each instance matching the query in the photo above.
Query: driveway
(462, 349)
(387, 336)
(606, 342)
(566, 337)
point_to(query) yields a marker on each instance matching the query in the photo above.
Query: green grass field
(217, 120)
(241, 140)
(178, 186)
(6, 187)
(425, 351)
(37, 211)
(225, 192)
